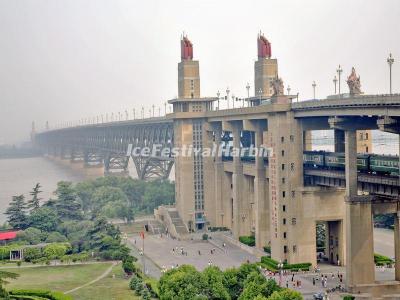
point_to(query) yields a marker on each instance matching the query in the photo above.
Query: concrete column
(397, 245)
(307, 140)
(237, 182)
(360, 265)
(339, 140)
(260, 196)
(351, 163)
(218, 179)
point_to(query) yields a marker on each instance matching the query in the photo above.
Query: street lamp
(334, 82)
(126, 114)
(248, 93)
(134, 114)
(314, 85)
(390, 62)
(165, 108)
(153, 110)
(260, 93)
(339, 72)
(233, 101)
(288, 89)
(227, 96)
(218, 94)
(280, 267)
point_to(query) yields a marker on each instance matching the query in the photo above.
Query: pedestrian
(199, 252)
(313, 281)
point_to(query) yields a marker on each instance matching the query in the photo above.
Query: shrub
(54, 251)
(267, 249)
(128, 267)
(248, 240)
(132, 283)
(56, 237)
(348, 297)
(145, 293)
(205, 236)
(31, 254)
(381, 260)
(272, 265)
(40, 293)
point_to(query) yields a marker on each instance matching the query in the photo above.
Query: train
(367, 163)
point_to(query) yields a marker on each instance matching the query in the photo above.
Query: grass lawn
(59, 278)
(107, 288)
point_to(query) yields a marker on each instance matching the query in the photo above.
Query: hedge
(50, 295)
(272, 265)
(248, 240)
(267, 249)
(381, 260)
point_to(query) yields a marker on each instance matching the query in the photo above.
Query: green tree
(32, 236)
(257, 285)
(31, 254)
(286, 294)
(4, 275)
(213, 277)
(67, 206)
(43, 218)
(54, 251)
(56, 237)
(183, 283)
(34, 203)
(16, 212)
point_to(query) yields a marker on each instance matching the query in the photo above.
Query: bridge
(277, 199)
(106, 145)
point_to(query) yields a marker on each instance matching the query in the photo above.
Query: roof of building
(9, 235)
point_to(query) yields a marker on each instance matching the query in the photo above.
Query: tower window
(283, 153)
(283, 207)
(283, 166)
(284, 235)
(284, 221)
(282, 139)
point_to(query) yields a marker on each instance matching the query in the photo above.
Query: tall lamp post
(233, 101)
(218, 94)
(339, 72)
(248, 94)
(288, 89)
(280, 267)
(314, 85)
(165, 108)
(334, 82)
(390, 62)
(227, 96)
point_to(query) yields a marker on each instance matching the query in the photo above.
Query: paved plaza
(165, 252)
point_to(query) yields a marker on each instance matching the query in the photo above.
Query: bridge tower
(191, 171)
(188, 71)
(265, 68)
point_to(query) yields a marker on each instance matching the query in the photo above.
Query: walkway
(106, 272)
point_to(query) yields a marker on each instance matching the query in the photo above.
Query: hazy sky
(63, 60)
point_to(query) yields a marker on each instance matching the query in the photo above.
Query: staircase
(156, 227)
(177, 222)
(170, 219)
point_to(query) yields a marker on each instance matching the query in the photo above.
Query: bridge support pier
(237, 183)
(116, 164)
(360, 265)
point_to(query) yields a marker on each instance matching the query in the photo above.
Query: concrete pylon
(360, 267)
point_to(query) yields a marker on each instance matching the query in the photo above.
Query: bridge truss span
(112, 145)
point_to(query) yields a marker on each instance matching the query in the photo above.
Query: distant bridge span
(107, 144)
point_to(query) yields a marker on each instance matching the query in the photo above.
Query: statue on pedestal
(277, 85)
(353, 81)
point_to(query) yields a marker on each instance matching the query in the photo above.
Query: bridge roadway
(107, 143)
